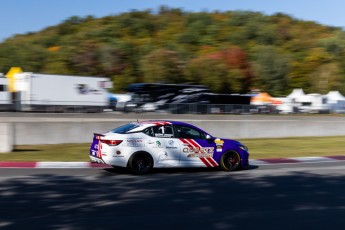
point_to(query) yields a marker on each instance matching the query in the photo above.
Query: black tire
(140, 163)
(230, 161)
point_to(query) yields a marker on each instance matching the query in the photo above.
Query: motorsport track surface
(280, 196)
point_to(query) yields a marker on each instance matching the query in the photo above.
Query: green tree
(86, 59)
(209, 72)
(162, 66)
(271, 69)
(112, 60)
(238, 66)
(325, 78)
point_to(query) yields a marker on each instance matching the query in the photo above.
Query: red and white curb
(14, 164)
(268, 161)
(296, 160)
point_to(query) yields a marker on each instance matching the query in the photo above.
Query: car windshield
(124, 128)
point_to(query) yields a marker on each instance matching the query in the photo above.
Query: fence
(200, 108)
(194, 108)
(182, 108)
(205, 109)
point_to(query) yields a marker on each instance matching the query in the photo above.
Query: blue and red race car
(141, 146)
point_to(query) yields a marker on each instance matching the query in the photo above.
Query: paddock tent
(264, 99)
(296, 93)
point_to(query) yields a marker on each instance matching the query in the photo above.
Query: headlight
(244, 148)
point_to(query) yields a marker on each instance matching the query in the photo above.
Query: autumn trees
(231, 52)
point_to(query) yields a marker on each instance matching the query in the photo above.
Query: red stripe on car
(205, 162)
(209, 162)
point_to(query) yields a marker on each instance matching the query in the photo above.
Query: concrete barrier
(31, 133)
(6, 137)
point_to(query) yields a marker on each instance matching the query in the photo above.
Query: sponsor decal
(171, 144)
(219, 145)
(85, 89)
(199, 155)
(99, 150)
(163, 135)
(203, 153)
(198, 150)
(94, 150)
(135, 142)
(163, 157)
(150, 142)
(158, 144)
(171, 147)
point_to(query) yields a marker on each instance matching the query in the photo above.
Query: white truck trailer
(60, 93)
(5, 96)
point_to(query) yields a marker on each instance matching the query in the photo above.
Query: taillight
(111, 142)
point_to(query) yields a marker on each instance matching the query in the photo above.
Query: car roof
(145, 124)
(162, 122)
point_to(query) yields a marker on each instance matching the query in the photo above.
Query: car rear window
(124, 128)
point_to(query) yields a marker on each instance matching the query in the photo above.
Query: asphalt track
(279, 196)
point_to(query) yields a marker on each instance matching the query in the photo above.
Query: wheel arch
(228, 152)
(141, 152)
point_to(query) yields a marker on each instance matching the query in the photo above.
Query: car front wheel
(230, 161)
(140, 163)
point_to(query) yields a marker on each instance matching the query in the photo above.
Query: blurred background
(132, 60)
(171, 60)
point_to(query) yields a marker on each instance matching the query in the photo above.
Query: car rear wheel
(230, 161)
(140, 163)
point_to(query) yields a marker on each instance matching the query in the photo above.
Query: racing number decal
(195, 150)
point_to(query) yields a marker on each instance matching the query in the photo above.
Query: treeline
(231, 52)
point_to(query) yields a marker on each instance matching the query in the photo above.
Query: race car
(141, 146)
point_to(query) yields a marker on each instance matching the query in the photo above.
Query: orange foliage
(54, 48)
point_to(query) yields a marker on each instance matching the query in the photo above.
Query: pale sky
(23, 16)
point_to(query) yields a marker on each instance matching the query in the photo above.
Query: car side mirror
(208, 137)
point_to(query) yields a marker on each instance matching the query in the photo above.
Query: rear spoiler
(98, 135)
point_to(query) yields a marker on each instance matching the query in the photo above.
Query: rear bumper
(96, 160)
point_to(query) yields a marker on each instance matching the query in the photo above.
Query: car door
(195, 149)
(164, 145)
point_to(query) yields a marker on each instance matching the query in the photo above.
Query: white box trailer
(5, 95)
(61, 93)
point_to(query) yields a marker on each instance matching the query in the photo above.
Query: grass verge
(258, 148)
(295, 147)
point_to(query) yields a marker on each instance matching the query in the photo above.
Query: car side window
(164, 131)
(188, 132)
(149, 131)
